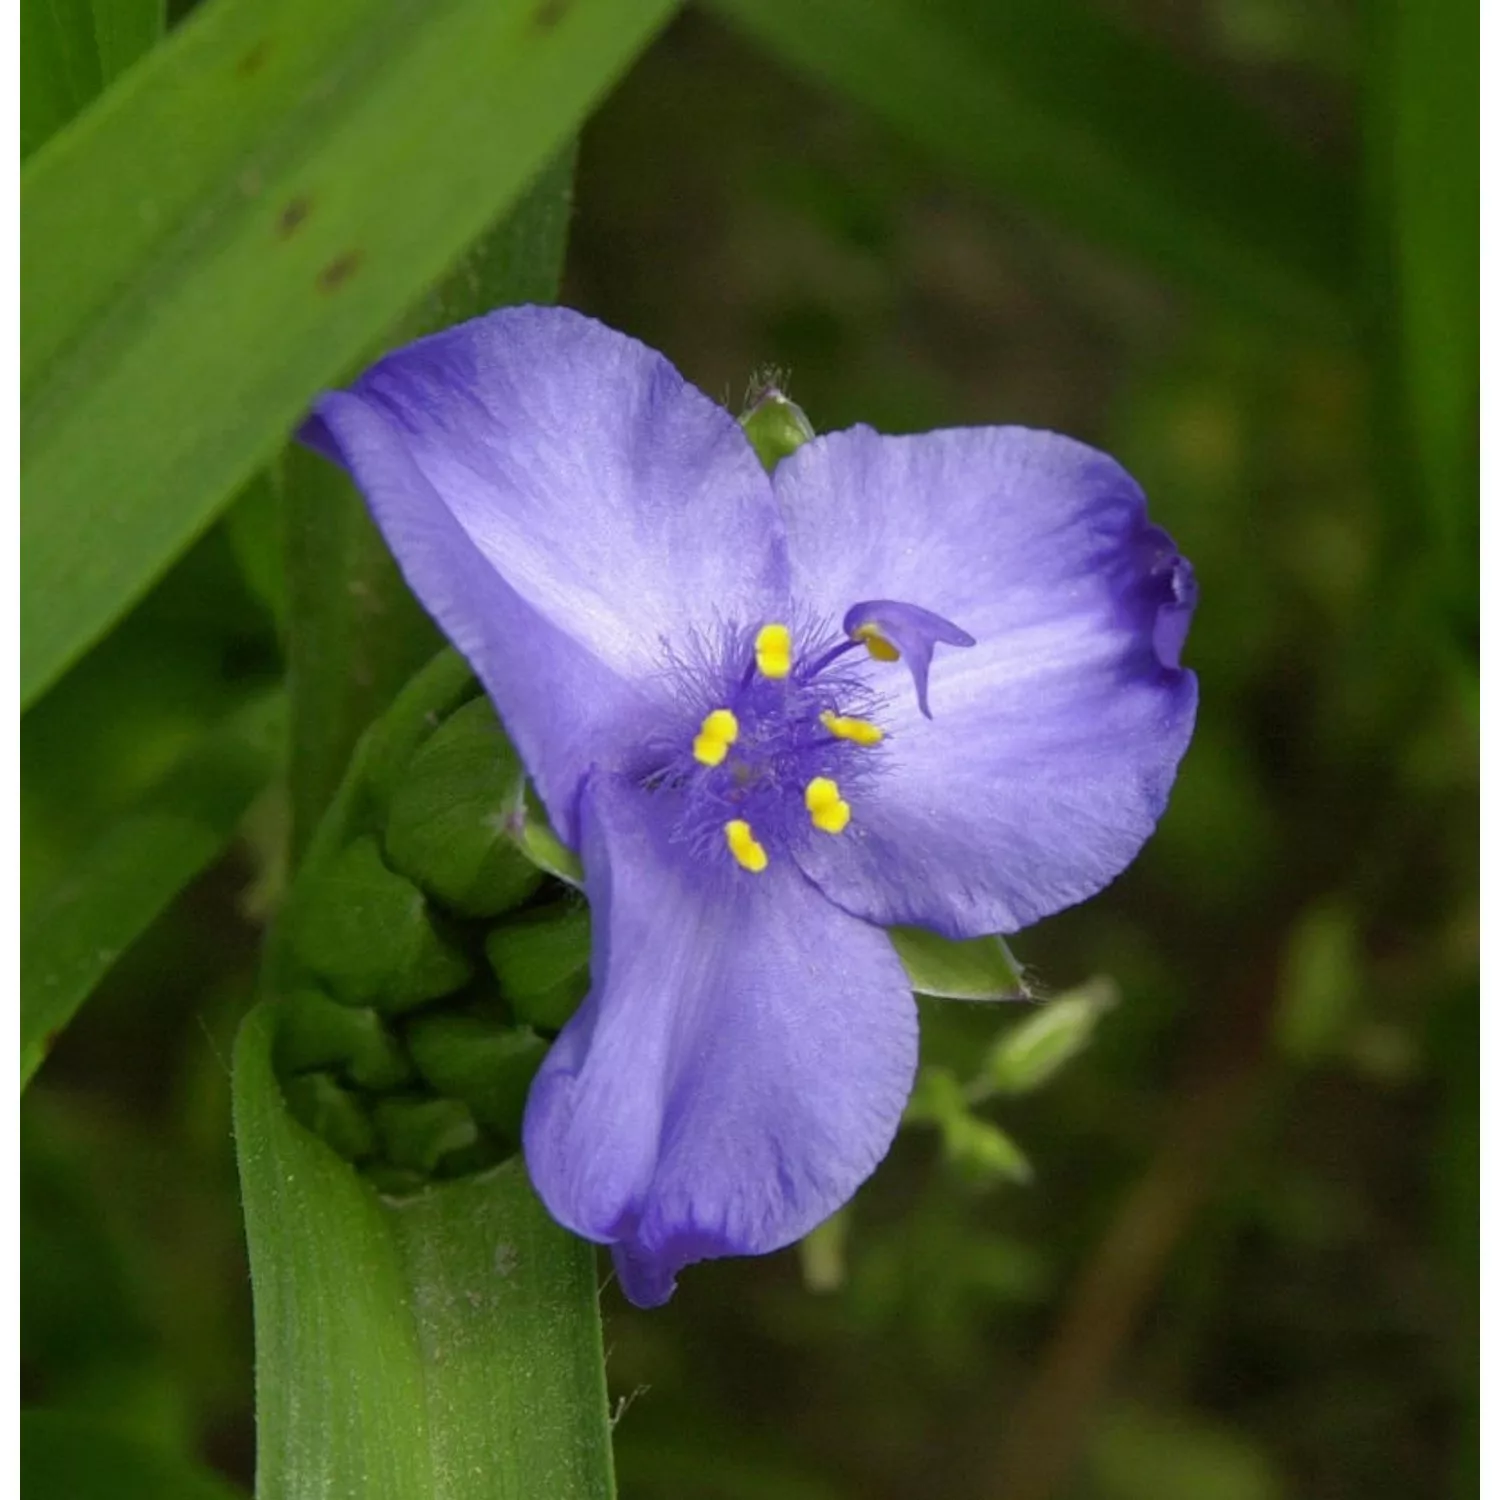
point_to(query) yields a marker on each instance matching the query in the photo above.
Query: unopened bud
(424, 1135)
(1030, 1054)
(483, 1063)
(441, 687)
(323, 1106)
(316, 1032)
(450, 822)
(542, 963)
(982, 1152)
(369, 936)
(775, 426)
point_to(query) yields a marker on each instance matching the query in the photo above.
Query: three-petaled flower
(925, 680)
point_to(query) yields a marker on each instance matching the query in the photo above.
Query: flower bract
(928, 680)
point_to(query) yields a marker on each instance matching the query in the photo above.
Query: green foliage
(404, 1351)
(72, 49)
(305, 172)
(1052, 103)
(121, 884)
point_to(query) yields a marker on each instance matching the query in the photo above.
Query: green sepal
(481, 1062)
(317, 1032)
(443, 686)
(542, 963)
(450, 822)
(368, 935)
(332, 1113)
(536, 840)
(775, 426)
(1032, 1053)
(419, 1134)
(981, 968)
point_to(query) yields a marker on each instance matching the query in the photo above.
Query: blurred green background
(1246, 1265)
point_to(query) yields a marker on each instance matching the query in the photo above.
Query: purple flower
(920, 680)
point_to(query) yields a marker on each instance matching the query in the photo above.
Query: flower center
(785, 731)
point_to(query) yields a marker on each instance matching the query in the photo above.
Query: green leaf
(1067, 111)
(226, 232)
(1423, 136)
(71, 49)
(976, 969)
(446, 1347)
(127, 879)
(66, 1457)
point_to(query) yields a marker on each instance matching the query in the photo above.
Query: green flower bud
(1030, 1054)
(982, 1152)
(486, 1065)
(452, 817)
(775, 426)
(318, 1102)
(542, 963)
(423, 1135)
(368, 935)
(442, 686)
(316, 1032)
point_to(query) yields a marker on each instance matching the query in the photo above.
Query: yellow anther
(828, 810)
(711, 744)
(861, 731)
(773, 650)
(743, 846)
(875, 643)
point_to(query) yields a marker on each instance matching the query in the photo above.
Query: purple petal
(615, 508)
(738, 1070)
(1058, 734)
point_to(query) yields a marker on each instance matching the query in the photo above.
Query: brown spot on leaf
(339, 270)
(254, 60)
(290, 219)
(550, 12)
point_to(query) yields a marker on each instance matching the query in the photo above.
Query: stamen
(861, 731)
(711, 744)
(742, 844)
(875, 643)
(773, 650)
(827, 809)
